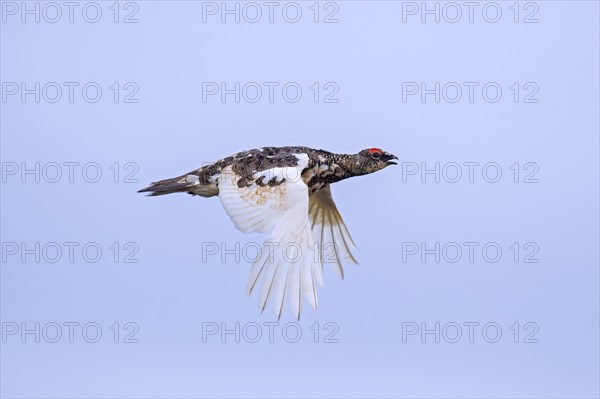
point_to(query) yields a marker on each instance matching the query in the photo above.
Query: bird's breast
(320, 175)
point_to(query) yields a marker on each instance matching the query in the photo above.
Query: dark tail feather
(168, 186)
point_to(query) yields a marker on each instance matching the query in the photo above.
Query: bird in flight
(284, 191)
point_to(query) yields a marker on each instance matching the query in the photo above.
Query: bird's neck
(346, 165)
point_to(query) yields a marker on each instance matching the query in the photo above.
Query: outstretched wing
(276, 200)
(330, 232)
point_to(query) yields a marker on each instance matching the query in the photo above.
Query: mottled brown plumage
(323, 168)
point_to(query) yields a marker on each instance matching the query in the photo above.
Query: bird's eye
(376, 155)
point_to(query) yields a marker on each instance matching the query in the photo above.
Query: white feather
(283, 210)
(330, 231)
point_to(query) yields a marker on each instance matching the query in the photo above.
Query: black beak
(390, 160)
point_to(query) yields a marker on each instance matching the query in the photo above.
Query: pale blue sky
(362, 61)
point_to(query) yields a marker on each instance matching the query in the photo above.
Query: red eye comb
(372, 150)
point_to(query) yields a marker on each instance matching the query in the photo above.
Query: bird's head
(373, 159)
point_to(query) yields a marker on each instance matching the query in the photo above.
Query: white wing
(287, 261)
(330, 232)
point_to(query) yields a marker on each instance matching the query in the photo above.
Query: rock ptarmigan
(284, 191)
